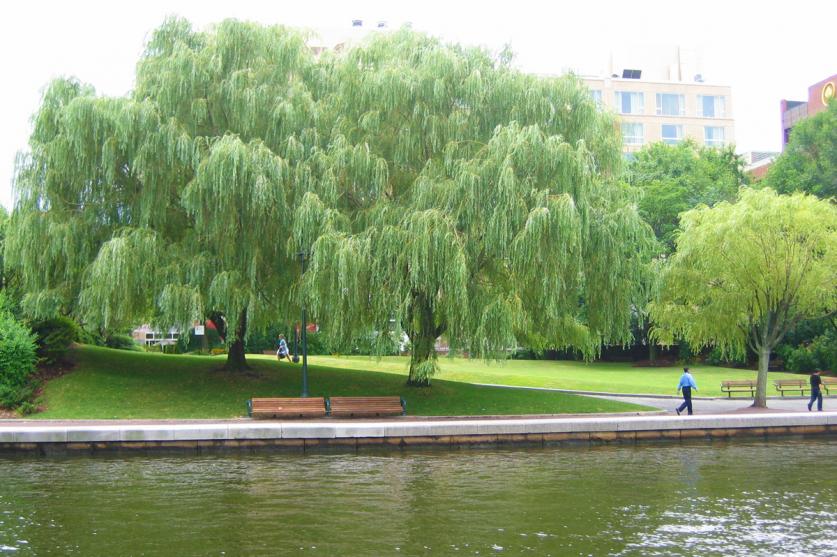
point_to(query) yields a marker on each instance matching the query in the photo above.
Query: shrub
(26, 408)
(522, 353)
(714, 359)
(800, 359)
(54, 337)
(821, 353)
(122, 342)
(17, 361)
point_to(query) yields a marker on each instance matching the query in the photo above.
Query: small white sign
(199, 330)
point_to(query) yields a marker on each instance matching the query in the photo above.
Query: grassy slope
(118, 384)
(597, 376)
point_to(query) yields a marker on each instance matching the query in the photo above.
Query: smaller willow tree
(491, 217)
(173, 203)
(746, 273)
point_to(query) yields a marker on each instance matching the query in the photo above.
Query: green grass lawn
(596, 377)
(107, 383)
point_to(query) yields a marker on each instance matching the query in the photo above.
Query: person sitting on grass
(283, 351)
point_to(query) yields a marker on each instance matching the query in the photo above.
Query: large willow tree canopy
(491, 215)
(430, 185)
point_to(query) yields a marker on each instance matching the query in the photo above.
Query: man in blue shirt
(687, 383)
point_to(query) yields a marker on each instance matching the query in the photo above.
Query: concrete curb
(396, 433)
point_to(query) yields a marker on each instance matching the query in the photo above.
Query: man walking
(687, 383)
(816, 391)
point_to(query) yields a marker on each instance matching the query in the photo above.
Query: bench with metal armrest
(312, 407)
(366, 406)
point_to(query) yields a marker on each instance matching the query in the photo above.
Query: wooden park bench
(803, 385)
(792, 385)
(313, 407)
(730, 387)
(366, 406)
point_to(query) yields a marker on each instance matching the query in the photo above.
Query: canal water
(742, 498)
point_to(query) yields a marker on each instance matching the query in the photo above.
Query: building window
(713, 136)
(711, 106)
(672, 134)
(630, 103)
(633, 134)
(669, 104)
(596, 95)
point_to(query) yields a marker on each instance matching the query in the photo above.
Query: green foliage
(173, 202)
(820, 353)
(121, 342)
(17, 361)
(428, 183)
(27, 408)
(809, 162)
(746, 273)
(7, 304)
(4, 220)
(496, 219)
(54, 337)
(716, 358)
(675, 178)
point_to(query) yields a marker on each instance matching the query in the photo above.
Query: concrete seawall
(399, 433)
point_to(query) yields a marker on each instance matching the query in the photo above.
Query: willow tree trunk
(236, 360)
(761, 381)
(423, 333)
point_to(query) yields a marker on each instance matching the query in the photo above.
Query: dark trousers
(816, 394)
(687, 400)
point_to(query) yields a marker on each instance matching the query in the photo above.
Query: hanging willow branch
(435, 189)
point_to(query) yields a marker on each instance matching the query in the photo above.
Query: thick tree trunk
(761, 381)
(423, 333)
(422, 361)
(236, 360)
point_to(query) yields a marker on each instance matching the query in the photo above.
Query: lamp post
(304, 336)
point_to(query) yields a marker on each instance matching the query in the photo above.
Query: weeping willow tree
(747, 273)
(431, 187)
(478, 202)
(174, 202)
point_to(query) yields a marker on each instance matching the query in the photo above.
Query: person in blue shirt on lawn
(283, 351)
(687, 383)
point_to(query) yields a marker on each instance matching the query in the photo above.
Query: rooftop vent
(631, 74)
(382, 24)
(699, 78)
(357, 23)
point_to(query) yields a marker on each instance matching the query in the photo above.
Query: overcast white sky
(765, 50)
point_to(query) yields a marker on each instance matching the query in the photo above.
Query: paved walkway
(722, 405)
(700, 405)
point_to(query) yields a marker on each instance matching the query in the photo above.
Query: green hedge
(54, 337)
(17, 361)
